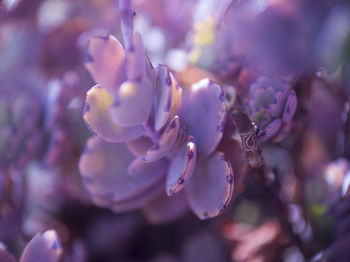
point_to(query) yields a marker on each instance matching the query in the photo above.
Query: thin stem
(257, 166)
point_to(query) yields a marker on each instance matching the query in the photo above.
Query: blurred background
(288, 62)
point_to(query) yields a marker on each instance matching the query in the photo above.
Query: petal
(276, 106)
(283, 132)
(166, 209)
(43, 247)
(164, 99)
(97, 118)
(210, 189)
(139, 146)
(204, 115)
(106, 62)
(290, 107)
(135, 66)
(139, 200)
(5, 256)
(165, 143)
(133, 103)
(176, 97)
(103, 167)
(139, 167)
(271, 130)
(181, 168)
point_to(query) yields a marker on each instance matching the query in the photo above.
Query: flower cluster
(161, 126)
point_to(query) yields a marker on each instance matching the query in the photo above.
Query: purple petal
(43, 247)
(106, 62)
(5, 256)
(103, 167)
(290, 107)
(135, 66)
(176, 97)
(276, 107)
(166, 209)
(139, 200)
(164, 87)
(139, 146)
(181, 168)
(165, 143)
(139, 167)
(204, 115)
(271, 130)
(210, 189)
(284, 131)
(97, 118)
(133, 103)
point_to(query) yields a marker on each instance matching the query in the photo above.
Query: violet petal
(135, 66)
(133, 103)
(271, 130)
(140, 199)
(43, 247)
(165, 143)
(103, 167)
(181, 168)
(97, 118)
(204, 115)
(106, 62)
(139, 146)
(210, 189)
(166, 209)
(164, 89)
(6, 256)
(290, 107)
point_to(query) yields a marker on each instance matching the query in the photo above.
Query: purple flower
(271, 106)
(172, 133)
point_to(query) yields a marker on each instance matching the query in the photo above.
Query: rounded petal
(166, 209)
(139, 200)
(210, 189)
(133, 103)
(283, 132)
(276, 106)
(106, 62)
(135, 66)
(44, 246)
(103, 167)
(139, 146)
(271, 130)
(164, 99)
(97, 118)
(5, 256)
(290, 107)
(181, 168)
(165, 143)
(204, 115)
(139, 167)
